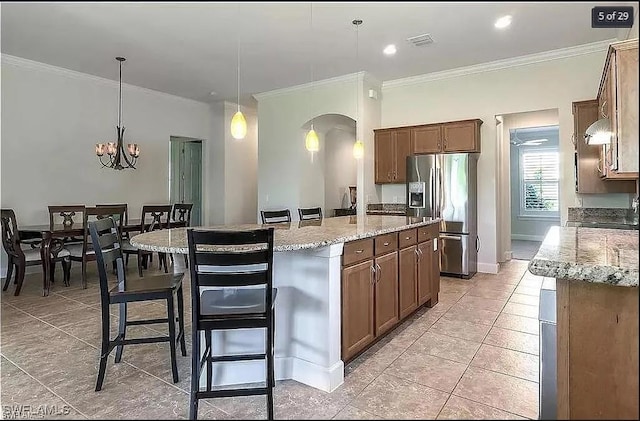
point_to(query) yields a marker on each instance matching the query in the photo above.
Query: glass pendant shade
(311, 142)
(358, 149)
(599, 133)
(238, 126)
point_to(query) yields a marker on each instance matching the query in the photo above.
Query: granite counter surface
(295, 235)
(596, 255)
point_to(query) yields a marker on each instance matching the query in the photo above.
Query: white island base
(307, 332)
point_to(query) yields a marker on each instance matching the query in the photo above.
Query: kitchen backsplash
(387, 207)
(597, 214)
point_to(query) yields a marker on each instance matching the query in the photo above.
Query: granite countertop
(295, 235)
(607, 256)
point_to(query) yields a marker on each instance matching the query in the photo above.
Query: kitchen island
(596, 273)
(307, 272)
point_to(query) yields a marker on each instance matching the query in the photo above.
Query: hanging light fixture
(358, 146)
(118, 159)
(311, 141)
(238, 122)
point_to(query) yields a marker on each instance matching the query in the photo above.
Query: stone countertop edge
(599, 274)
(302, 246)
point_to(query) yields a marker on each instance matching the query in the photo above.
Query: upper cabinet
(618, 101)
(392, 146)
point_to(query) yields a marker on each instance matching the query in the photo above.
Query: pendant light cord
(120, 99)
(238, 57)
(311, 67)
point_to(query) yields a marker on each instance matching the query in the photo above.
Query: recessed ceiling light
(503, 22)
(389, 50)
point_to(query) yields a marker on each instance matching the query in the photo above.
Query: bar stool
(310, 213)
(275, 217)
(231, 288)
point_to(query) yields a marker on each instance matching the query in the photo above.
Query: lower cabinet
(386, 292)
(382, 285)
(357, 307)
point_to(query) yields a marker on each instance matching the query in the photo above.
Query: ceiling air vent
(420, 40)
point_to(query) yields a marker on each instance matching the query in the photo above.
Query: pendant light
(238, 122)
(358, 146)
(311, 141)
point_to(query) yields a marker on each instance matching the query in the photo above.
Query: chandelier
(118, 159)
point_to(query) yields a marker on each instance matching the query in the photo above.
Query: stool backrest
(126, 211)
(230, 259)
(275, 217)
(105, 238)
(115, 212)
(310, 213)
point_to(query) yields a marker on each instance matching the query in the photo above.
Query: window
(539, 177)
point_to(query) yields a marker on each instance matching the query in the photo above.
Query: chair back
(64, 215)
(156, 216)
(10, 235)
(126, 212)
(99, 213)
(230, 259)
(182, 213)
(275, 217)
(310, 213)
(105, 239)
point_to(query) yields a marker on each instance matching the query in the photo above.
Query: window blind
(540, 177)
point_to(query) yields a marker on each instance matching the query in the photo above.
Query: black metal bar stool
(236, 267)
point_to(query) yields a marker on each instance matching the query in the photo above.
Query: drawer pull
(359, 251)
(386, 243)
(407, 238)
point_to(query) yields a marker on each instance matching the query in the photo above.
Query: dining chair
(105, 239)
(154, 217)
(275, 217)
(126, 216)
(66, 216)
(242, 297)
(181, 217)
(20, 258)
(310, 213)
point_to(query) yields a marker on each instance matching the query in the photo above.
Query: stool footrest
(228, 393)
(247, 357)
(146, 322)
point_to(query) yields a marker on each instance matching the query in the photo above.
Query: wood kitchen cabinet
(357, 308)
(392, 146)
(589, 159)
(386, 292)
(426, 139)
(425, 271)
(618, 101)
(407, 281)
(462, 136)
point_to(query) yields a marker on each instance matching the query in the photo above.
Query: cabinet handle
(407, 238)
(598, 165)
(373, 274)
(378, 272)
(359, 251)
(417, 253)
(421, 253)
(386, 243)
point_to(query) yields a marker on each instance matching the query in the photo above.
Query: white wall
(52, 118)
(340, 168)
(546, 84)
(286, 176)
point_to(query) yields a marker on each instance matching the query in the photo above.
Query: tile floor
(473, 355)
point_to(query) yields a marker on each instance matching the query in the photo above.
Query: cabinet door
(402, 149)
(625, 148)
(386, 296)
(461, 137)
(357, 308)
(408, 282)
(425, 271)
(435, 271)
(383, 157)
(426, 139)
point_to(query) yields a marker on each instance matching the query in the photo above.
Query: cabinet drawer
(386, 243)
(356, 251)
(407, 238)
(428, 232)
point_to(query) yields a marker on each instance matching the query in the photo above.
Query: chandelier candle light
(118, 159)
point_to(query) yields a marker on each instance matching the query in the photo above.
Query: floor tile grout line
(44, 385)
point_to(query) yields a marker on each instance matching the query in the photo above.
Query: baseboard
(526, 237)
(488, 267)
(327, 379)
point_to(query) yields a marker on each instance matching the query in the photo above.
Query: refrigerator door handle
(432, 193)
(477, 244)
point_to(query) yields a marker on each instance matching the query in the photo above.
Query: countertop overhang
(292, 236)
(608, 256)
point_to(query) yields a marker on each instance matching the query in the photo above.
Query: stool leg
(171, 316)
(183, 345)
(209, 352)
(122, 330)
(195, 373)
(104, 351)
(270, 366)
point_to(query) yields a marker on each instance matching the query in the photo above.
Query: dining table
(53, 238)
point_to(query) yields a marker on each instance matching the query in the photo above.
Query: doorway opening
(530, 187)
(185, 174)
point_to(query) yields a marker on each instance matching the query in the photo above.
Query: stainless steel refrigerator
(445, 186)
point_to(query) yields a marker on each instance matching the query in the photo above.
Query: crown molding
(305, 86)
(36, 65)
(502, 64)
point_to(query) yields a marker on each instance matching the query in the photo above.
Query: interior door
(185, 185)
